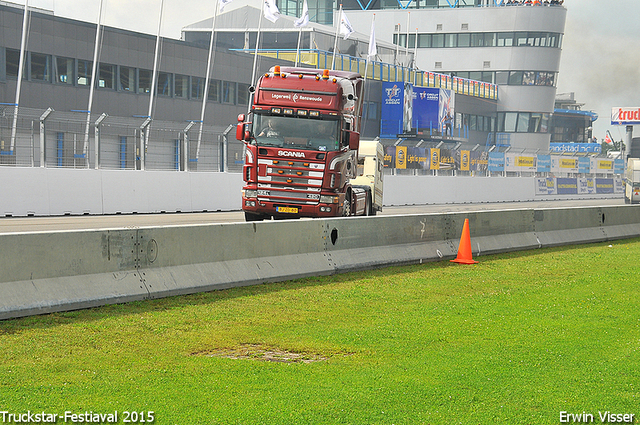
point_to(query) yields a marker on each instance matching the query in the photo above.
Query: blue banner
(496, 161)
(618, 166)
(575, 147)
(425, 108)
(567, 186)
(544, 163)
(584, 165)
(604, 185)
(392, 109)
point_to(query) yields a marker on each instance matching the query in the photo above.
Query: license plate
(288, 210)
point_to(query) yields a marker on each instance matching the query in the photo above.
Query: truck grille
(287, 181)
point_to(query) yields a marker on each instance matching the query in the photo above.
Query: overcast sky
(600, 60)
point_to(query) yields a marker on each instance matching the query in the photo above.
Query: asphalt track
(124, 221)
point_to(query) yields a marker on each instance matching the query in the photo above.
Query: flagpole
(206, 81)
(335, 45)
(298, 48)
(372, 50)
(23, 46)
(85, 147)
(406, 45)
(255, 58)
(415, 58)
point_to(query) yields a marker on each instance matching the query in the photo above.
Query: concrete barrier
(48, 272)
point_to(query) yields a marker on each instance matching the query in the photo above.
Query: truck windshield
(299, 133)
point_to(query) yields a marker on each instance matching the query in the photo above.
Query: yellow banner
(605, 165)
(435, 159)
(568, 163)
(525, 161)
(401, 157)
(464, 160)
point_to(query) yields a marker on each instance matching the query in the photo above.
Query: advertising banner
(567, 186)
(390, 156)
(604, 166)
(544, 164)
(617, 184)
(575, 147)
(618, 166)
(496, 161)
(568, 165)
(401, 157)
(391, 109)
(520, 163)
(625, 116)
(584, 165)
(586, 185)
(435, 159)
(417, 158)
(465, 160)
(604, 186)
(545, 186)
(425, 108)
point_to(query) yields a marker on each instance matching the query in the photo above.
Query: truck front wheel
(346, 206)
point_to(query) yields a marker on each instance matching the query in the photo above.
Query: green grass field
(515, 339)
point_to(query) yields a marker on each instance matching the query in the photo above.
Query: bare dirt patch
(263, 353)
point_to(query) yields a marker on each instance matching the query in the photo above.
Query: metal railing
(48, 138)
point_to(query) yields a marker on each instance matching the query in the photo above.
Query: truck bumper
(283, 210)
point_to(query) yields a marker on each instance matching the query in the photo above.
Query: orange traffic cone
(464, 249)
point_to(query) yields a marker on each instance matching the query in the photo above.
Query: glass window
(553, 40)
(64, 70)
(437, 40)
(164, 84)
(473, 123)
(505, 39)
(229, 92)
(424, 40)
(412, 40)
(475, 75)
(450, 40)
(13, 60)
(534, 124)
(182, 86)
(487, 77)
(214, 91)
(510, 120)
(489, 39)
(107, 76)
(40, 67)
(372, 111)
(464, 40)
(197, 87)
(502, 77)
(528, 78)
(477, 40)
(521, 38)
(84, 72)
(515, 78)
(243, 94)
(523, 122)
(127, 79)
(144, 81)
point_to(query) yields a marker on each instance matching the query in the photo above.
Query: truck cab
(632, 181)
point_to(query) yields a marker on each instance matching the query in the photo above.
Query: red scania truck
(303, 155)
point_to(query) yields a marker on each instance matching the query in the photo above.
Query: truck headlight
(327, 199)
(250, 193)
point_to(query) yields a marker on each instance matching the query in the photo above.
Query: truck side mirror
(240, 131)
(353, 139)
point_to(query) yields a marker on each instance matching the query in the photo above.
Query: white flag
(303, 20)
(345, 26)
(223, 3)
(373, 49)
(271, 11)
